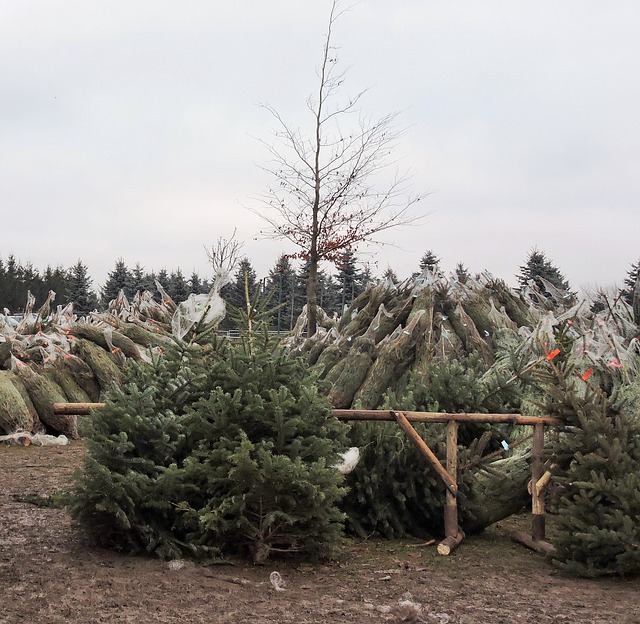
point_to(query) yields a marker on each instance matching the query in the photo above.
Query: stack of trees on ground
(479, 347)
(57, 357)
(433, 344)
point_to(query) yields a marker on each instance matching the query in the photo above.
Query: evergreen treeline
(16, 280)
(285, 283)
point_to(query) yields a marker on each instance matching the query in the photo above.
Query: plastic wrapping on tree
(197, 309)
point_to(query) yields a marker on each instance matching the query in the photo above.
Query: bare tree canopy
(323, 198)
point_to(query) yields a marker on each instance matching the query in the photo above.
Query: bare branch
(223, 256)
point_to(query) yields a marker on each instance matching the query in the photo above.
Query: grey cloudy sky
(126, 127)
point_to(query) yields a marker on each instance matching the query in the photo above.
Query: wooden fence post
(539, 479)
(537, 470)
(453, 534)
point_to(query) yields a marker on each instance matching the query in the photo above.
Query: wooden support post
(427, 453)
(453, 534)
(75, 409)
(539, 479)
(537, 470)
(543, 482)
(538, 545)
(451, 504)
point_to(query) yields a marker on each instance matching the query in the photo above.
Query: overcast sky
(128, 128)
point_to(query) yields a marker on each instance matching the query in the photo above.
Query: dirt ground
(49, 574)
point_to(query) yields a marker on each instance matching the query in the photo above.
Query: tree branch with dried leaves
(331, 189)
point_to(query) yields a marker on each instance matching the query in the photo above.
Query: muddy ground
(49, 574)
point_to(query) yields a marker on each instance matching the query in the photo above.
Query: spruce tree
(14, 294)
(539, 266)
(462, 273)
(211, 450)
(118, 279)
(79, 289)
(197, 285)
(234, 292)
(141, 280)
(281, 283)
(596, 456)
(350, 279)
(4, 287)
(390, 275)
(31, 281)
(429, 261)
(329, 294)
(58, 280)
(631, 287)
(163, 279)
(392, 492)
(178, 287)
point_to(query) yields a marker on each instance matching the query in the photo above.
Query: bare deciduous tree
(223, 257)
(323, 198)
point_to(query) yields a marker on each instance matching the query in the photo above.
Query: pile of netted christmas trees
(52, 356)
(438, 344)
(434, 343)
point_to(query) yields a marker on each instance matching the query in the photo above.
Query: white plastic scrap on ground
(276, 581)
(41, 439)
(408, 610)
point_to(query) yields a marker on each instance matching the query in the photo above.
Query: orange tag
(587, 375)
(552, 354)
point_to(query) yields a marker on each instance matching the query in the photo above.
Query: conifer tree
(163, 279)
(329, 295)
(178, 287)
(4, 287)
(429, 261)
(31, 281)
(539, 266)
(350, 280)
(79, 289)
(211, 450)
(197, 285)
(391, 492)
(58, 280)
(390, 275)
(118, 279)
(631, 286)
(281, 283)
(462, 273)
(14, 294)
(596, 453)
(141, 280)
(234, 292)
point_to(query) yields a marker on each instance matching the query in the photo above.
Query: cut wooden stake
(540, 546)
(75, 409)
(427, 453)
(449, 544)
(543, 482)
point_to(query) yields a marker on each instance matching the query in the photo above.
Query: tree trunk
(312, 296)
(493, 496)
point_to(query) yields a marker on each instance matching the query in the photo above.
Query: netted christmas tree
(214, 449)
(596, 455)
